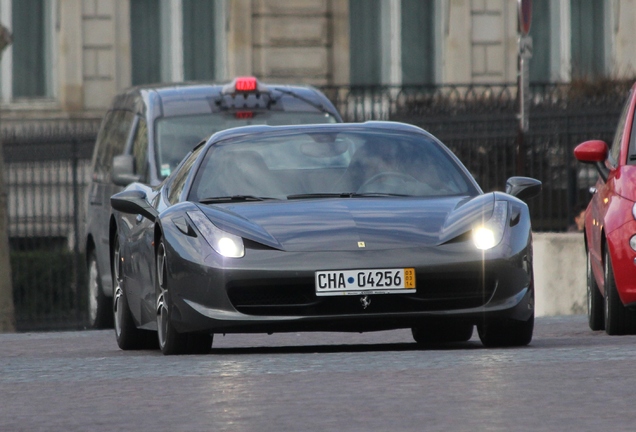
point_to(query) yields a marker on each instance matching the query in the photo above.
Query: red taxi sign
(245, 84)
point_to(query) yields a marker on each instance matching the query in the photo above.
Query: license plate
(364, 282)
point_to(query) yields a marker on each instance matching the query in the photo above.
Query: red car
(610, 228)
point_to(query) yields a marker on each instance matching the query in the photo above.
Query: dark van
(148, 130)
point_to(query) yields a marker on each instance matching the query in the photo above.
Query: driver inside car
(391, 168)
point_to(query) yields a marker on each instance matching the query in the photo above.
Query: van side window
(107, 124)
(140, 150)
(112, 141)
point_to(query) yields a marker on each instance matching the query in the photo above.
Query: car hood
(351, 223)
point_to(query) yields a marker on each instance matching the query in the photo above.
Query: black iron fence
(46, 171)
(47, 168)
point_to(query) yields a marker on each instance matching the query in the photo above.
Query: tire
(98, 305)
(199, 343)
(618, 319)
(438, 333)
(171, 342)
(506, 333)
(128, 336)
(595, 300)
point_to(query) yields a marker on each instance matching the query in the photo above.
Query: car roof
(173, 99)
(316, 128)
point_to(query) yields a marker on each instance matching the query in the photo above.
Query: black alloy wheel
(171, 342)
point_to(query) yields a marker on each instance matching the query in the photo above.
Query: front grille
(438, 292)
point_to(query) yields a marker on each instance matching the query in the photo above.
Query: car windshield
(176, 136)
(328, 164)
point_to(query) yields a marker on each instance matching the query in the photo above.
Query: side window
(181, 176)
(140, 150)
(615, 149)
(112, 140)
(100, 146)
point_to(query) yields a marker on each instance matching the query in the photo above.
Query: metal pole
(77, 261)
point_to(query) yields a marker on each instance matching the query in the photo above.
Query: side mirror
(133, 202)
(523, 188)
(591, 151)
(123, 171)
(594, 151)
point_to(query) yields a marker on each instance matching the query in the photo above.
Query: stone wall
(105, 50)
(559, 273)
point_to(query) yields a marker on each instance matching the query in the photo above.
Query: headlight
(225, 244)
(634, 211)
(488, 235)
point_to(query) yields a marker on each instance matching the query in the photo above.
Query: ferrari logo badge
(366, 301)
(361, 244)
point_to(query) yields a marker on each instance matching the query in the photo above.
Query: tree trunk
(7, 312)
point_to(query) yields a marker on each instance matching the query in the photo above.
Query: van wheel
(98, 305)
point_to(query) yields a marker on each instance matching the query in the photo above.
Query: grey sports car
(341, 227)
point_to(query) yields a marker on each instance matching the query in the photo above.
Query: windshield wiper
(233, 198)
(344, 195)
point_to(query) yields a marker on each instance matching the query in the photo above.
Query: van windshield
(176, 136)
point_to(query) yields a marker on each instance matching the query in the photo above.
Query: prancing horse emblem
(366, 301)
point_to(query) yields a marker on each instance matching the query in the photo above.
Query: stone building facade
(70, 57)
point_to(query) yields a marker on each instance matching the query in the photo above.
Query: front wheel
(618, 319)
(171, 342)
(506, 333)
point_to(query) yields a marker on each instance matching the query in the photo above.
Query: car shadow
(346, 348)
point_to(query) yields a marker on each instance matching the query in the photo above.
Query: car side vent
(516, 215)
(250, 244)
(460, 238)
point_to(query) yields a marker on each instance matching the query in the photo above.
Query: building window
(27, 67)
(588, 38)
(145, 46)
(365, 46)
(176, 40)
(540, 31)
(199, 40)
(392, 42)
(418, 52)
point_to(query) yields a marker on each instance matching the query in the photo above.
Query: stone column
(70, 59)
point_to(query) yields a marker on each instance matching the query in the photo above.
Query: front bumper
(272, 291)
